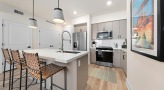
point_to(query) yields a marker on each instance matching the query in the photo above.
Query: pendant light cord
(33, 9)
(58, 3)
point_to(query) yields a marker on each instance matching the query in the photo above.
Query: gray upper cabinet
(101, 27)
(77, 29)
(123, 29)
(94, 31)
(116, 29)
(83, 28)
(119, 28)
(108, 26)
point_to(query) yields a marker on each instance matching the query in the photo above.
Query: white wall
(81, 20)
(109, 17)
(110, 43)
(0, 44)
(143, 73)
(7, 13)
(67, 45)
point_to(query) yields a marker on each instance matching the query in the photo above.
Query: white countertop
(124, 49)
(52, 54)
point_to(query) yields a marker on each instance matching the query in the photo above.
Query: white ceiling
(45, 8)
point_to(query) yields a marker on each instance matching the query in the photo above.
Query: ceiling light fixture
(32, 21)
(109, 3)
(58, 15)
(75, 12)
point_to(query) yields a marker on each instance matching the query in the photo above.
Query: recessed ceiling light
(109, 3)
(74, 12)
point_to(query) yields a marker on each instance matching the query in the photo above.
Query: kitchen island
(76, 63)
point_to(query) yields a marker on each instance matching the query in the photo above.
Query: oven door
(104, 56)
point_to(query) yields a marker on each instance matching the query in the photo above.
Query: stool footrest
(58, 86)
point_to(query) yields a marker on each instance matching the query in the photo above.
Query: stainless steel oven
(104, 56)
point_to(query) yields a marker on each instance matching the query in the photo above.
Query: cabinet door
(46, 38)
(123, 29)
(116, 28)
(101, 27)
(116, 58)
(84, 28)
(57, 40)
(77, 29)
(94, 31)
(125, 62)
(109, 26)
(122, 59)
(93, 55)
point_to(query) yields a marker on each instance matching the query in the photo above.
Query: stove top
(104, 48)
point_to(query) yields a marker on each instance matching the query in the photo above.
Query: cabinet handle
(123, 57)
(29, 47)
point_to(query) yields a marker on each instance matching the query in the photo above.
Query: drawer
(116, 50)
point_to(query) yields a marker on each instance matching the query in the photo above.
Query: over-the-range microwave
(104, 35)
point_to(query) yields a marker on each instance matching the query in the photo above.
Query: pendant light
(32, 21)
(58, 15)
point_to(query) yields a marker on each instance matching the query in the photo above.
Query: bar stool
(7, 58)
(42, 73)
(19, 63)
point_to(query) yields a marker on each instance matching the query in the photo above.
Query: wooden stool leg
(10, 76)
(4, 74)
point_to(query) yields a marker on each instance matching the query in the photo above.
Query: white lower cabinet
(93, 55)
(120, 59)
(124, 61)
(117, 58)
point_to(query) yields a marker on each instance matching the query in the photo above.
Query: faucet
(64, 39)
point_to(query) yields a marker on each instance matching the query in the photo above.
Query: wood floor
(99, 84)
(93, 82)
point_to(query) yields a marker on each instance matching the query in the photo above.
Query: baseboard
(128, 85)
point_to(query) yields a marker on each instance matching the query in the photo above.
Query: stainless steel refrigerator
(80, 41)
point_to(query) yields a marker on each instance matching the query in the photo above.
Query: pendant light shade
(32, 21)
(58, 15)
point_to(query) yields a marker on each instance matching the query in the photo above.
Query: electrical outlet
(79, 63)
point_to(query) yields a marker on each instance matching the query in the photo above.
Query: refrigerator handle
(77, 45)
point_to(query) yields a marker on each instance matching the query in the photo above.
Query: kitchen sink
(74, 52)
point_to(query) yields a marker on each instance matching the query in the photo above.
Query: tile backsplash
(110, 42)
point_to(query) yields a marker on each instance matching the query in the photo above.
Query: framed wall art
(146, 28)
